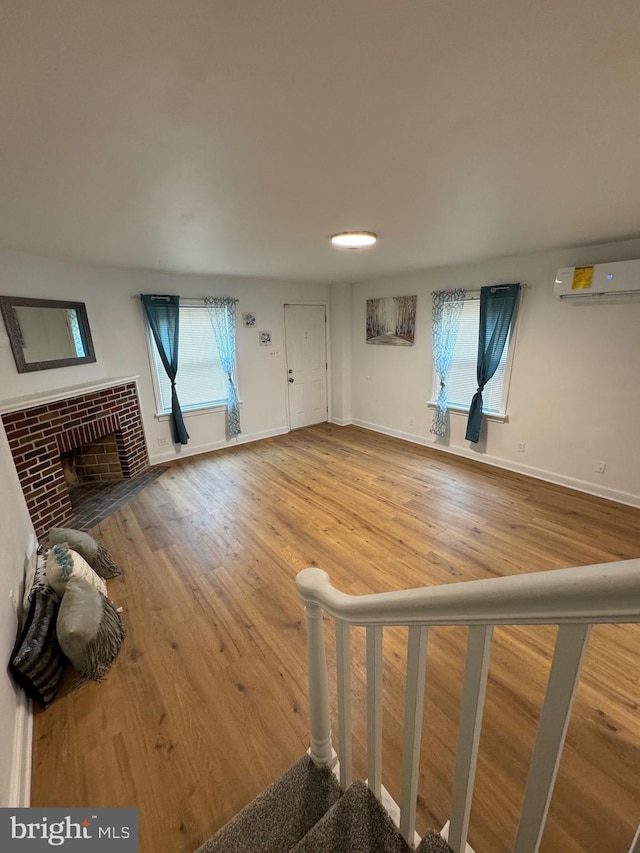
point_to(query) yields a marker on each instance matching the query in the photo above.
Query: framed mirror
(47, 333)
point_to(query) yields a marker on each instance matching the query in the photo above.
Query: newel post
(321, 752)
(311, 583)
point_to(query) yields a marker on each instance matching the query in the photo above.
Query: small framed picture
(265, 339)
(248, 319)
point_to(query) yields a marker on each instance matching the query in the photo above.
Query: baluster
(343, 659)
(374, 710)
(413, 712)
(321, 751)
(552, 729)
(471, 708)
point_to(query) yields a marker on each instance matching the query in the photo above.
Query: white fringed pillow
(63, 564)
(89, 630)
(93, 552)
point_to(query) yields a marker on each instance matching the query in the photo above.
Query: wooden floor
(207, 702)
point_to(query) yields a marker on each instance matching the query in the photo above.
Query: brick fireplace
(40, 433)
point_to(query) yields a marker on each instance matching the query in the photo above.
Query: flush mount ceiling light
(354, 239)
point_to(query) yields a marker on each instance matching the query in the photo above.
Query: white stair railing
(573, 599)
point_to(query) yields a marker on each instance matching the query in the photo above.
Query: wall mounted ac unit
(599, 283)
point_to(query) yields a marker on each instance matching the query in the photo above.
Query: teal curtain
(222, 313)
(446, 310)
(163, 316)
(497, 307)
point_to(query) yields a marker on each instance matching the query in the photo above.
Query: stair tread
(357, 823)
(433, 842)
(283, 814)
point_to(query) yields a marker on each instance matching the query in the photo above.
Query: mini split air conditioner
(599, 283)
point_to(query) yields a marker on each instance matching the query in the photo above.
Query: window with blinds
(200, 381)
(462, 381)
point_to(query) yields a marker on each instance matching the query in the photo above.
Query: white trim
(394, 433)
(499, 417)
(444, 832)
(528, 470)
(340, 421)
(386, 801)
(189, 450)
(16, 404)
(20, 783)
(393, 810)
(196, 410)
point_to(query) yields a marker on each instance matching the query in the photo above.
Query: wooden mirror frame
(8, 304)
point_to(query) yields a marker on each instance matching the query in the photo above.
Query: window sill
(462, 410)
(191, 413)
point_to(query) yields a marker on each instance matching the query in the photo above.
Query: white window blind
(200, 381)
(462, 381)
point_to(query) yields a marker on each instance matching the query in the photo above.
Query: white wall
(16, 543)
(574, 395)
(117, 327)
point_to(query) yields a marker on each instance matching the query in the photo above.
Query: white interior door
(306, 340)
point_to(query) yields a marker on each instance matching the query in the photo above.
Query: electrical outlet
(600, 467)
(162, 442)
(522, 446)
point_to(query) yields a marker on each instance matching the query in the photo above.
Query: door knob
(290, 370)
(291, 379)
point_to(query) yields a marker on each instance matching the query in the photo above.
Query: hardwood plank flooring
(207, 702)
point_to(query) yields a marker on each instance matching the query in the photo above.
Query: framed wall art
(391, 320)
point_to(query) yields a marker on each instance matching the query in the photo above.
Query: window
(200, 381)
(462, 383)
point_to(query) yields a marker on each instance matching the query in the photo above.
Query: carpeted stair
(305, 812)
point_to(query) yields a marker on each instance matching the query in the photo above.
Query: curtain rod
(494, 287)
(164, 297)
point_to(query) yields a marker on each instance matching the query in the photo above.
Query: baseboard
(394, 433)
(20, 784)
(589, 488)
(188, 450)
(341, 421)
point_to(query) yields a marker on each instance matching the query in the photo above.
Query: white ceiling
(234, 136)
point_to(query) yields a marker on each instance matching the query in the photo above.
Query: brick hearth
(39, 434)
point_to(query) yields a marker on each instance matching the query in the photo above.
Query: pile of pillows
(69, 616)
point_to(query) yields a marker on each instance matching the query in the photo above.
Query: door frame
(327, 332)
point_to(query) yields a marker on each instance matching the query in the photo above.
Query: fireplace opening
(91, 472)
(98, 461)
